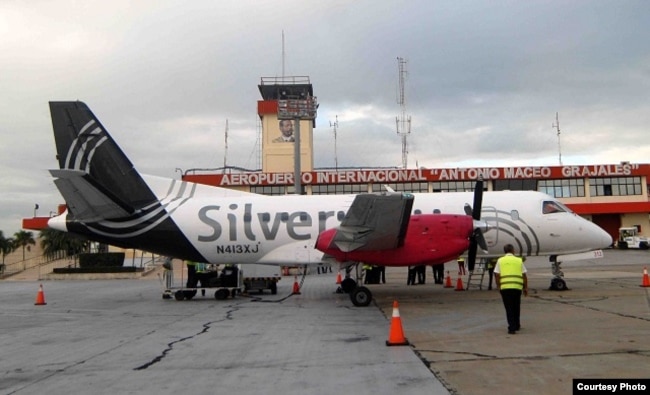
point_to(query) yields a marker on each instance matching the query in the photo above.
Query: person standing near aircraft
(461, 266)
(511, 279)
(438, 273)
(192, 278)
(422, 274)
(490, 267)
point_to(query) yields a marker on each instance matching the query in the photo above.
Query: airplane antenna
(283, 54)
(403, 122)
(334, 126)
(556, 125)
(225, 152)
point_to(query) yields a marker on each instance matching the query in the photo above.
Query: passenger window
(550, 207)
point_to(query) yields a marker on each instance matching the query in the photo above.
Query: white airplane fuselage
(227, 226)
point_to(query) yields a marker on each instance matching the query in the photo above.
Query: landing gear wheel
(361, 296)
(179, 295)
(221, 294)
(558, 284)
(348, 285)
(189, 294)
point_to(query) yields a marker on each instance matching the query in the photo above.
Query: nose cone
(605, 238)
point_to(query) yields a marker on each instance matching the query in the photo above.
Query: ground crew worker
(490, 267)
(367, 269)
(438, 273)
(461, 266)
(192, 278)
(510, 275)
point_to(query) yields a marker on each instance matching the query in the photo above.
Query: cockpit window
(550, 207)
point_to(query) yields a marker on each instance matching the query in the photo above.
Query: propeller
(476, 239)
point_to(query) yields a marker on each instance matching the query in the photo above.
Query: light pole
(303, 108)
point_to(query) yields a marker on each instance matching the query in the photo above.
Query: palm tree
(23, 239)
(6, 246)
(53, 241)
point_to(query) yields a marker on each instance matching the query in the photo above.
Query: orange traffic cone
(646, 280)
(396, 333)
(296, 286)
(459, 285)
(448, 281)
(40, 297)
(338, 278)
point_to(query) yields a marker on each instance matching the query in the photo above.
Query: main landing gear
(359, 295)
(557, 282)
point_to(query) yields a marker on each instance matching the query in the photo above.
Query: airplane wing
(374, 222)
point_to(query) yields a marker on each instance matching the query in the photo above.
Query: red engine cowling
(430, 239)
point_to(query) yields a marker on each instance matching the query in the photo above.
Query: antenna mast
(282, 54)
(556, 125)
(334, 126)
(225, 152)
(403, 122)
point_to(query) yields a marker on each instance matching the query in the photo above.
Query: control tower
(288, 114)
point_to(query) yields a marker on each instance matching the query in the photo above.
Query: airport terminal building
(611, 195)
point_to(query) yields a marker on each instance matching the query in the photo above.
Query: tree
(6, 246)
(53, 241)
(23, 239)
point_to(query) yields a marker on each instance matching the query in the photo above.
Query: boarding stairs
(475, 278)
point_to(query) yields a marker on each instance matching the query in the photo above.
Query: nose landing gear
(557, 282)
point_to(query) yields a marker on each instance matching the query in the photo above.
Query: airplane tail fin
(96, 178)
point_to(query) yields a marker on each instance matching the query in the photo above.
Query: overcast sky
(485, 79)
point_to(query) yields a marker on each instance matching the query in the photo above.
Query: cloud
(485, 80)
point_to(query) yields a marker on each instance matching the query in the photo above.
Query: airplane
(108, 201)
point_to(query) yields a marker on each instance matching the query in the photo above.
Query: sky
(484, 81)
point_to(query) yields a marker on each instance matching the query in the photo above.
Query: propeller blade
(480, 239)
(471, 255)
(478, 199)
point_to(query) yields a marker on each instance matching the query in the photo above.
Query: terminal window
(339, 189)
(562, 188)
(455, 186)
(615, 186)
(403, 187)
(270, 190)
(515, 185)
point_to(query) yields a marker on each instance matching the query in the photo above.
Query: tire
(361, 297)
(643, 245)
(622, 245)
(348, 285)
(221, 294)
(558, 284)
(179, 295)
(274, 288)
(189, 294)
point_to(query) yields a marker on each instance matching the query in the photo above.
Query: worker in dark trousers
(192, 278)
(410, 279)
(422, 274)
(510, 275)
(438, 273)
(490, 266)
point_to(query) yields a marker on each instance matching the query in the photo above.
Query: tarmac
(121, 336)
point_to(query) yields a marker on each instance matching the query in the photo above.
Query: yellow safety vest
(511, 272)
